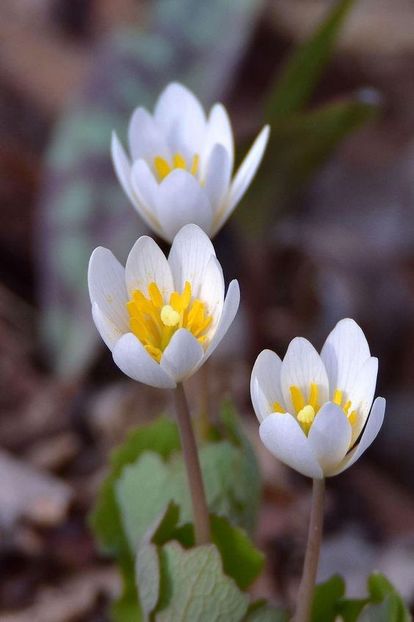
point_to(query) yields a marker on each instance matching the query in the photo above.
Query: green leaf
(298, 147)
(146, 487)
(194, 587)
(241, 560)
(389, 606)
(297, 81)
(250, 477)
(387, 611)
(325, 600)
(162, 437)
(105, 521)
(383, 604)
(260, 611)
(349, 609)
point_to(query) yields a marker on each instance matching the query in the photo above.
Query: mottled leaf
(82, 205)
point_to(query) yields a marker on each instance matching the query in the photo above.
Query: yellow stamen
(337, 397)
(162, 167)
(352, 417)
(195, 164)
(297, 398)
(277, 408)
(179, 161)
(313, 396)
(351, 414)
(154, 321)
(155, 295)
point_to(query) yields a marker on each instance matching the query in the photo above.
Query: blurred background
(326, 231)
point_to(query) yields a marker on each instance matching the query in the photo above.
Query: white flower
(315, 409)
(181, 162)
(162, 318)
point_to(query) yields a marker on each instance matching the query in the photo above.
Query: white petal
(181, 117)
(146, 139)
(344, 352)
(217, 178)
(190, 253)
(266, 372)
(182, 355)
(372, 428)
(330, 436)
(301, 367)
(147, 264)
(132, 358)
(246, 172)
(260, 402)
(362, 394)
(106, 281)
(145, 191)
(211, 290)
(122, 167)
(181, 200)
(285, 439)
(109, 332)
(231, 304)
(218, 132)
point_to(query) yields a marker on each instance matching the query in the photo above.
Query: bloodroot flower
(315, 409)
(180, 164)
(162, 318)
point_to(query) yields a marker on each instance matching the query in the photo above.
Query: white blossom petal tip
(313, 408)
(162, 317)
(189, 158)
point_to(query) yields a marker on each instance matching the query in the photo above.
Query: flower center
(306, 410)
(154, 322)
(163, 167)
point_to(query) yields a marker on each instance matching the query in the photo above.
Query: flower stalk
(310, 566)
(192, 463)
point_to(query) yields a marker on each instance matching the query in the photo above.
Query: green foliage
(202, 583)
(300, 145)
(147, 472)
(325, 600)
(195, 587)
(383, 603)
(295, 85)
(145, 487)
(301, 141)
(260, 611)
(230, 429)
(241, 560)
(106, 522)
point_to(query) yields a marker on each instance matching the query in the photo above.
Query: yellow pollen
(277, 408)
(163, 167)
(305, 417)
(169, 317)
(154, 320)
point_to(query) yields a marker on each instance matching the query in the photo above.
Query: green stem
(192, 463)
(310, 566)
